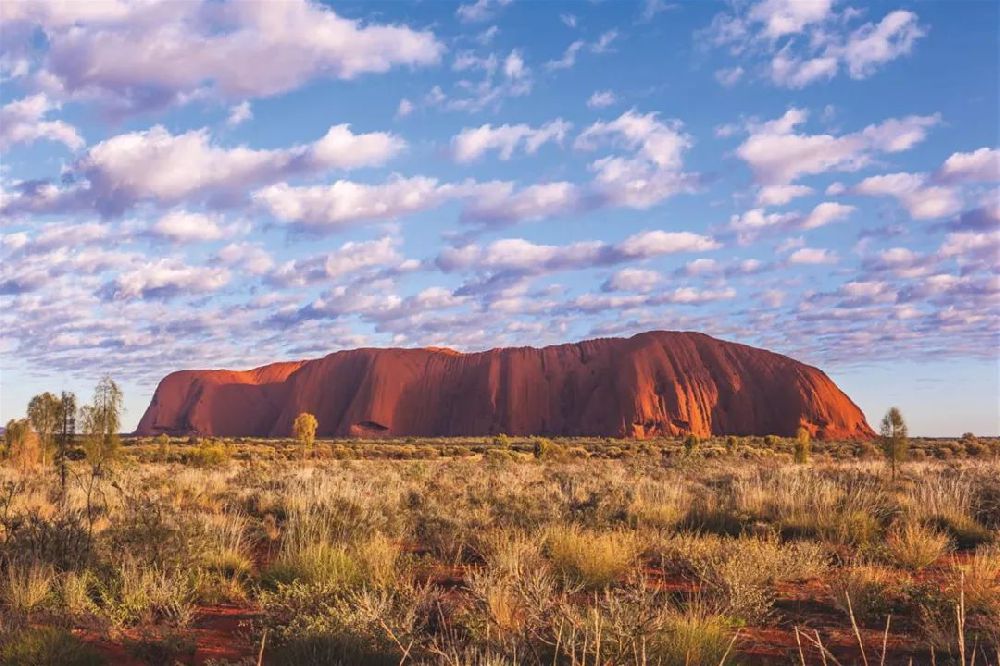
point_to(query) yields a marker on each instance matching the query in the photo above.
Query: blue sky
(214, 184)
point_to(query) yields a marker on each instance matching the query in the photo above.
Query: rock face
(650, 384)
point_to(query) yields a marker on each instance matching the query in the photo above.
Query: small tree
(64, 438)
(22, 444)
(101, 423)
(304, 430)
(43, 412)
(893, 438)
(732, 443)
(803, 446)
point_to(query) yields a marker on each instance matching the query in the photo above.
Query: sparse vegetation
(494, 550)
(893, 436)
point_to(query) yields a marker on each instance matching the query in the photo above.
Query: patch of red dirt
(219, 633)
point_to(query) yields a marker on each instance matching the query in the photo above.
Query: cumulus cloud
(327, 207)
(502, 203)
(802, 42)
(157, 166)
(354, 258)
(915, 192)
(779, 195)
(778, 155)
(809, 256)
(239, 114)
(249, 257)
(472, 143)
(181, 226)
(632, 279)
(602, 99)
(520, 256)
(164, 279)
(480, 10)
(502, 79)
(23, 121)
(873, 44)
(982, 165)
(135, 56)
(405, 108)
(750, 224)
(825, 213)
(969, 245)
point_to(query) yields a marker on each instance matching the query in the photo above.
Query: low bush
(593, 559)
(47, 646)
(915, 547)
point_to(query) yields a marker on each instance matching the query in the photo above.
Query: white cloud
(982, 165)
(23, 121)
(498, 203)
(806, 41)
(514, 67)
(643, 179)
(405, 108)
(661, 143)
(166, 278)
(788, 17)
(354, 259)
(810, 256)
(139, 55)
(971, 244)
(326, 207)
(568, 58)
(779, 156)
(729, 76)
(922, 199)
(473, 143)
(872, 45)
(251, 257)
(825, 213)
(656, 243)
(155, 165)
(650, 8)
(354, 256)
(633, 279)
(517, 255)
(779, 195)
(480, 10)
(793, 73)
(510, 78)
(602, 99)
(239, 114)
(701, 267)
(181, 226)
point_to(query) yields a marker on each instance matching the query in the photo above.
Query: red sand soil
(657, 383)
(219, 634)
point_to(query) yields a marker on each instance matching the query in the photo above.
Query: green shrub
(915, 547)
(802, 446)
(47, 646)
(208, 453)
(590, 558)
(691, 636)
